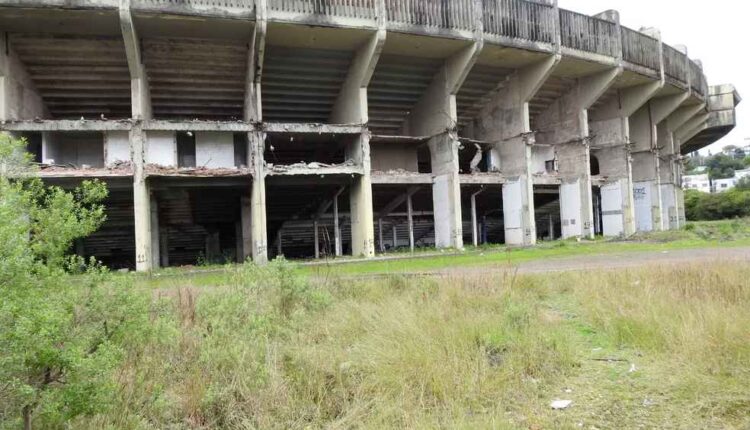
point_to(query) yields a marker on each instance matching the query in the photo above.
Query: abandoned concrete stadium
(254, 128)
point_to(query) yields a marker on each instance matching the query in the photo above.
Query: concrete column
(246, 217)
(255, 57)
(351, 108)
(139, 88)
(446, 191)
(141, 200)
(336, 227)
(155, 242)
(381, 245)
(410, 221)
(259, 234)
(435, 115)
(671, 163)
(474, 227)
(316, 239)
(394, 231)
(360, 199)
(564, 124)
(610, 128)
(646, 189)
(648, 162)
(505, 121)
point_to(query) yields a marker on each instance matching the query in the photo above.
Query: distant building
(704, 184)
(697, 182)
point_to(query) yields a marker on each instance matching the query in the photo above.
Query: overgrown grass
(728, 233)
(654, 347)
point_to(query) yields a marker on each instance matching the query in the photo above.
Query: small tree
(61, 324)
(743, 184)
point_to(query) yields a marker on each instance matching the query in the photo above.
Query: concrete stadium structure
(238, 128)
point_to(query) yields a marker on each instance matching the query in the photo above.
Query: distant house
(704, 184)
(697, 182)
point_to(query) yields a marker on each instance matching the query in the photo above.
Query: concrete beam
(66, 125)
(140, 92)
(692, 127)
(505, 122)
(227, 126)
(351, 104)
(312, 128)
(253, 108)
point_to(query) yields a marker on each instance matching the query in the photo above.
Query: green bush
(700, 206)
(64, 323)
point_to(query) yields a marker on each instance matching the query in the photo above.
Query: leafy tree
(722, 166)
(743, 184)
(63, 321)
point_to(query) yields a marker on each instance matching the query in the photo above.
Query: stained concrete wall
(161, 148)
(393, 156)
(18, 96)
(540, 155)
(116, 147)
(214, 150)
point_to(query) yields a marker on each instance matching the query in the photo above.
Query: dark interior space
(292, 148)
(291, 210)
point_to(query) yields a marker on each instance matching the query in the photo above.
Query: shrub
(63, 322)
(708, 207)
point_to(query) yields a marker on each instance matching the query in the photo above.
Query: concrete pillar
(381, 245)
(505, 122)
(410, 221)
(646, 189)
(246, 219)
(253, 108)
(564, 124)
(610, 128)
(671, 164)
(351, 108)
(141, 200)
(394, 232)
(139, 88)
(446, 191)
(336, 227)
(316, 239)
(648, 162)
(155, 240)
(360, 199)
(474, 227)
(435, 115)
(259, 235)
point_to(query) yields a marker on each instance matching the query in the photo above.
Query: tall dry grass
(272, 350)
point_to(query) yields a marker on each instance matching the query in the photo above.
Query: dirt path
(630, 259)
(620, 260)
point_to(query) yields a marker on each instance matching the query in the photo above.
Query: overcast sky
(716, 32)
